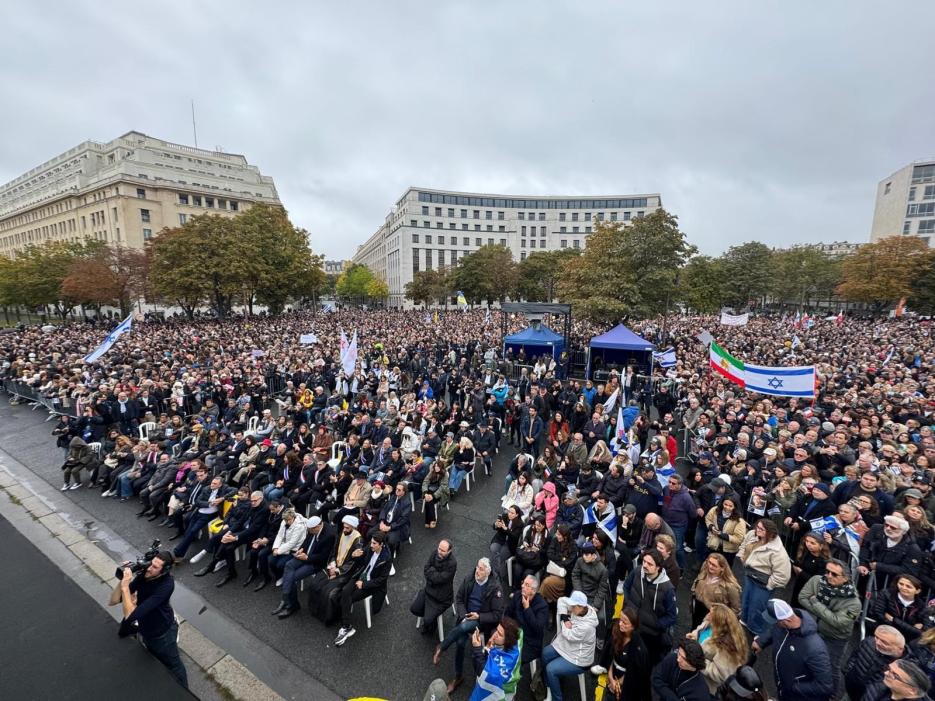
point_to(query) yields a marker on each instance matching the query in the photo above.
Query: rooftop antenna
(194, 129)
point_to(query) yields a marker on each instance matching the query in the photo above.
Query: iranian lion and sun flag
(797, 381)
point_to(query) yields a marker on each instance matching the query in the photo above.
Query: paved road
(389, 661)
(60, 644)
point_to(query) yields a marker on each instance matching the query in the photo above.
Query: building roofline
(533, 197)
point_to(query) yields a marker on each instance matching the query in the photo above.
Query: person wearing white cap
(801, 663)
(889, 550)
(349, 554)
(311, 557)
(572, 651)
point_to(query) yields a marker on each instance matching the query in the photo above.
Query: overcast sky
(754, 120)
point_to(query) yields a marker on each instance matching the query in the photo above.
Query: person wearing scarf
(832, 599)
(498, 664)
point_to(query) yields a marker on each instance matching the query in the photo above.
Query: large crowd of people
(799, 530)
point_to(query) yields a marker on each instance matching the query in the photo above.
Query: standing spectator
(832, 599)
(530, 432)
(572, 650)
(767, 568)
(649, 591)
(871, 657)
(437, 594)
(725, 528)
(800, 658)
(902, 680)
(901, 606)
(715, 584)
(888, 550)
(678, 510)
(724, 643)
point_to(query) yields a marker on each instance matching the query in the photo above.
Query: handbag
(760, 578)
(111, 462)
(552, 568)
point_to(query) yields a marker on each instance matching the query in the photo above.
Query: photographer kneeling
(146, 610)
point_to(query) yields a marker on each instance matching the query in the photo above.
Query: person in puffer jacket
(800, 658)
(651, 593)
(572, 651)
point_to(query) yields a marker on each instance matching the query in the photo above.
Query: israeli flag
(111, 339)
(780, 382)
(608, 524)
(666, 358)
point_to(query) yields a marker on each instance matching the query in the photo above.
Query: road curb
(229, 674)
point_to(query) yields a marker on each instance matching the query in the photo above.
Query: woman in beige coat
(724, 644)
(715, 584)
(726, 528)
(767, 567)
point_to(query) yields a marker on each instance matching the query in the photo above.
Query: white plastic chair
(96, 447)
(336, 449)
(511, 558)
(367, 611)
(441, 625)
(252, 425)
(146, 427)
(582, 684)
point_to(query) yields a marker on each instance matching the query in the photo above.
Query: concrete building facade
(430, 229)
(124, 192)
(905, 204)
(336, 267)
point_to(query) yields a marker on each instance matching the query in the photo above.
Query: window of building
(561, 216)
(182, 219)
(488, 215)
(521, 216)
(464, 227)
(522, 244)
(452, 225)
(587, 229)
(477, 242)
(922, 174)
(415, 259)
(532, 244)
(222, 204)
(438, 211)
(574, 216)
(927, 226)
(501, 228)
(887, 188)
(415, 238)
(183, 199)
(141, 193)
(562, 229)
(640, 214)
(464, 214)
(196, 200)
(522, 255)
(490, 227)
(503, 242)
(600, 216)
(451, 211)
(439, 225)
(477, 214)
(522, 230)
(575, 229)
(209, 202)
(147, 234)
(929, 193)
(477, 227)
(465, 241)
(541, 216)
(912, 194)
(441, 259)
(428, 258)
(490, 242)
(907, 226)
(532, 216)
(425, 211)
(541, 231)
(115, 214)
(428, 238)
(576, 243)
(500, 216)
(613, 216)
(144, 214)
(234, 205)
(563, 243)
(587, 216)
(626, 216)
(425, 225)
(413, 222)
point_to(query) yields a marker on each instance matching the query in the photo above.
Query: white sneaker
(343, 635)
(76, 485)
(64, 488)
(106, 494)
(597, 670)
(220, 566)
(687, 549)
(620, 587)
(199, 557)
(279, 582)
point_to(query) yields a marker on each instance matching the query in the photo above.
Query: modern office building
(906, 203)
(124, 192)
(430, 229)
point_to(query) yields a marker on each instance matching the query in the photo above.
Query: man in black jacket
(888, 550)
(871, 657)
(310, 558)
(205, 505)
(679, 676)
(262, 544)
(370, 581)
(479, 604)
(438, 593)
(530, 610)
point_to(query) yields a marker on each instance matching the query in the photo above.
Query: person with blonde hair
(462, 463)
(715, 584)
(724, 643)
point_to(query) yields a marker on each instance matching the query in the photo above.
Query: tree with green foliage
(803, 273)
(627, 268)
(748, 271)
(539, 274)
(701, 284)
(488, 273)
(430, 286)
(922, 299)
(354, 284)
(40, 270)
(884, 272)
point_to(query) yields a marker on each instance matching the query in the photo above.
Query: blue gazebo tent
(619, 348)
(537, 340)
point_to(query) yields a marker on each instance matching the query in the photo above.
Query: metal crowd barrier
(23, 392)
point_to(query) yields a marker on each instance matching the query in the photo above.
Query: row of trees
(648, 266)
(257, 257)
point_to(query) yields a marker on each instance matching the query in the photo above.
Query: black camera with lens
(142, 562)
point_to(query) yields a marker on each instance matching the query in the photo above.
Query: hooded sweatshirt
(654, 601)
(576, 644)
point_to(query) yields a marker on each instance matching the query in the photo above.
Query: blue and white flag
(608, 524)
(666, 358)
(795, 341)
(111, 339)
(798, 381)
(889, 356)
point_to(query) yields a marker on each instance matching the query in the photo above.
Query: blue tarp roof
(620, 337)
(542, 336)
